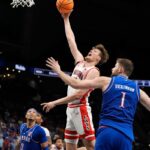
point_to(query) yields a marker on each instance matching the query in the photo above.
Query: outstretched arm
(50, 105)
(97, 82)
(145, 100)
(71, 39)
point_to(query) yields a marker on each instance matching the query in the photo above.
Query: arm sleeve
(42, 135)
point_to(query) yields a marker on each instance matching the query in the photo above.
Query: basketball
(64, 6)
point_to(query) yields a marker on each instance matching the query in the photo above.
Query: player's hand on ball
(66, 15)
(64, 6)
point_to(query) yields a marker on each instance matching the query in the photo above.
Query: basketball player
(39, 121)
(32, 136)
(120, 98)
(78, 99)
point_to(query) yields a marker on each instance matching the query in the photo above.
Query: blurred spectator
(6, 144)
(5, 132)
(1, 141)
(58, 144)
(12, 138)
(6, 115)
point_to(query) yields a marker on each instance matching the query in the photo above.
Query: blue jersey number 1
(122, 99)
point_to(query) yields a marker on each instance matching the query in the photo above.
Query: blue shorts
(111, 139)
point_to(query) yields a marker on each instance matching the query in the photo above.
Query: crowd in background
(9, 130)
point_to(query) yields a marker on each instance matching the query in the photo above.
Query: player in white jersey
(79, 117)
(80, 72)
(39, 121)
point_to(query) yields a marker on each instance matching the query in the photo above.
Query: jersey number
(122, 99)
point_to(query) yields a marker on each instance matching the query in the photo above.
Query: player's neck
(30, 123)
(123, 75)
(89, 64)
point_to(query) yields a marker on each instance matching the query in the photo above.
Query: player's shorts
(79, 124)
(111, 139)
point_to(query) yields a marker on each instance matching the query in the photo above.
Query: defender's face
(116, 69)
(94, 55)
(31, 114)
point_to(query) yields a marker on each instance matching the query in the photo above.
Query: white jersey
(46, 131)
(80, 72)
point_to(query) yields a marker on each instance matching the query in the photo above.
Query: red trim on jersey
(83, 135)
(75, 105)
(70, 132)
(86, 122)
(71, 137)
(83, 99)
(90, 138)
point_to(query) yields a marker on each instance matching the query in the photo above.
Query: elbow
(68, 37)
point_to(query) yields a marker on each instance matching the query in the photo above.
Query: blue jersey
(31, 138)
(119, 105)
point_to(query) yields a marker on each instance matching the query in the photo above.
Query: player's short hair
(103, 53)
(127, 64)
(57, 138)
(32, 109)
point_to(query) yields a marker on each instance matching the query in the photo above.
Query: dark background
(29, 35)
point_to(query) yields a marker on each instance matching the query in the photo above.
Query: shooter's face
(93, 55)
(31, 114)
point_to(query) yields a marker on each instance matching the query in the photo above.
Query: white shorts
(79, 124)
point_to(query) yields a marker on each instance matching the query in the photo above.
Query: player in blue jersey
(32, 136)
(120, 98)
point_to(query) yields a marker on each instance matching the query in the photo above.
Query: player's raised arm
(71, 39)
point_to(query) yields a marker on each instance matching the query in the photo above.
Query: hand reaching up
(53, 64)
